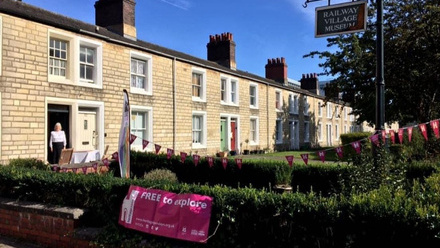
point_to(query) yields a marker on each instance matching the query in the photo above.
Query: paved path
(6, 242)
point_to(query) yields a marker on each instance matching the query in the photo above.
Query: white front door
(329, 135)
(87, 133)
(294, 135)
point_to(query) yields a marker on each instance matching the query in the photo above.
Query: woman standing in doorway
(57, 142)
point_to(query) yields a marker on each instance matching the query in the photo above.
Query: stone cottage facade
(57, 69)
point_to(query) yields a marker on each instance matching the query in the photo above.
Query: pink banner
(375, 139)
(410, 130)
(183, 156)
(115, 156)
(157, 148)
(321, 155)
(64, 170)
(163, 213)
(434, 126)
(239, 162)
(105, 162)
(210, 161)
(384, 136)
(132, 138)
(224, 163)
(84, 169)
(339, 152)
(144, 144)
(392, 136)
(289, 160)
(305, 158)
(196, 159)
(95, 166)
(400, 135)
(356, 146)
(170, 152)
(423, 130)
(74, 170)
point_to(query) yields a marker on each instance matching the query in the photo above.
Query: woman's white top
(57, 136)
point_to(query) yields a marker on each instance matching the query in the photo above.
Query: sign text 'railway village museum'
(341, 18)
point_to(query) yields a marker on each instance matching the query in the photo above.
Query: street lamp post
(380, 81)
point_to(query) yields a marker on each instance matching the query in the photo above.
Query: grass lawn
(330, 155)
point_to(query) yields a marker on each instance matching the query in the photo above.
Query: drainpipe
(267, 115)
(174, 103)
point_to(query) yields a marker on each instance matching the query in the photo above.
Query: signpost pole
(380, 81)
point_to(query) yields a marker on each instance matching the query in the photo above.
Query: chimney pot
(117, 16)
(276, 69)
(221, 49)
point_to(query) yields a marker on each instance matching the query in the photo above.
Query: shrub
(346, 139)
(29, 163)
(161, 175)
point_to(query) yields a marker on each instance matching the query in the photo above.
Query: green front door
(223, 135)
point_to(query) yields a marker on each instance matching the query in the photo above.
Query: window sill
(254, 143)
(198, 146)
(140, 91)
(253, 107)
(90, 85)
(229, 104)
(198, 99)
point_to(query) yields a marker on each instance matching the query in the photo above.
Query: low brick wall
(42, 224)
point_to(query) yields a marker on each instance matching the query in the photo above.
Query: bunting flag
(74, 170)
(105, 162)
(170, 152)
(339, 151)
(64, 170)
(210, 161)
(95, 166)
(196, 159)
(305, 158)
(434, 126)
(132, 138)
(357, 146)
(392, 137)
(290, 160)
(384, 136)
(124, 138)
(144, 144)
(321, 155)
(375, 139)
(84, 169)
(183, 156)
(400, 135)
(410, 131)
(238, 161)
(224, 162)
(55, 168)
(115, 156)
(423, 130)
(157, 148)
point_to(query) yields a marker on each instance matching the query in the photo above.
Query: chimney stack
(310, 82)
(117, 16)
(221, 49)
(276, 69)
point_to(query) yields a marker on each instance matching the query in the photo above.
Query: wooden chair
(105, 152)
(66, 156)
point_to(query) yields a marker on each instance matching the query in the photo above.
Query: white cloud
(181, 4)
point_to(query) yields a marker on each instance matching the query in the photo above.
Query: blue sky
(262, 29)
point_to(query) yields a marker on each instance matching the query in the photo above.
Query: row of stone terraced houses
(57, 69)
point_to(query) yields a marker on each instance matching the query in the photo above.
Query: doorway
(58, 113)
(294, 135)
(87, 133)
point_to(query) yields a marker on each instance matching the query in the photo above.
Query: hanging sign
(341, 19)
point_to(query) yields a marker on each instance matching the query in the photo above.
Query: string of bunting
(356, 145)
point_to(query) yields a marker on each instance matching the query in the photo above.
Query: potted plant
(246, 151)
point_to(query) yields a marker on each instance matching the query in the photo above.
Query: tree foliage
(412, 63)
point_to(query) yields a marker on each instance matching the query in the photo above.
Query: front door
(329, 135)
(294, 133)
(233, 134)
(57, 113)
(87, 132)
(223, 135)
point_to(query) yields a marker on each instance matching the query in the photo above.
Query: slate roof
(39, 15)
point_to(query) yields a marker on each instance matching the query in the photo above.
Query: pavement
(7, 242)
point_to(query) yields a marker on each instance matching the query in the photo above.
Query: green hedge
(248, 217)
(257, 174)
(348, 138)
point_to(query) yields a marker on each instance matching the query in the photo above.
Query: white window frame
(148, 124)
(203, 142)
(97, 75)
(319, 131)
(319, 109)
(228, 91)
(71, 70)
(148, 76)
(279, 129)
(345, 113)
(257, 130)
(306, 106)
(279, 99)
(201, 71)
(337, 132)
(329, 110)
(295, 104)
(255, 86)
(337, 111)
(306, 131)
